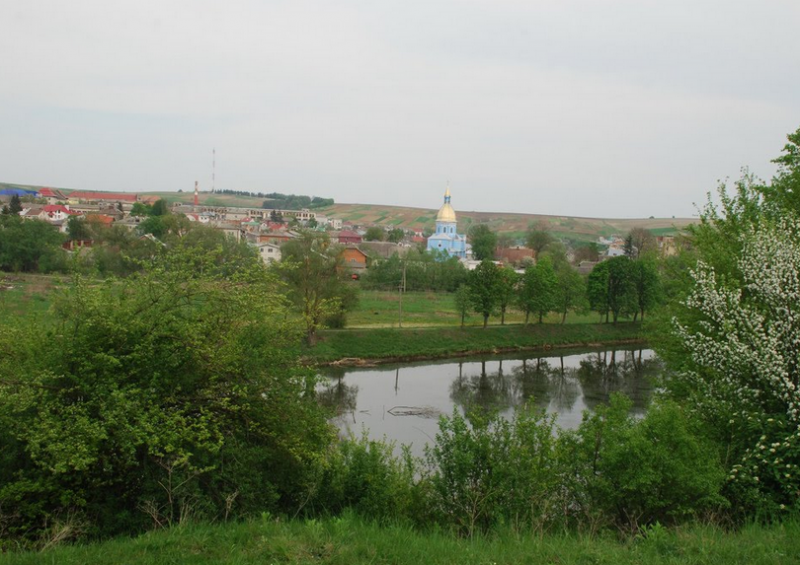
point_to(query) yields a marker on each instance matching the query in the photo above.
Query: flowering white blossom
(745, 353)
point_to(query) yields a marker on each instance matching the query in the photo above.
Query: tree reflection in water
(550, 385)
(603, 373)
(486, 391)
(333, 393)
(544, 384)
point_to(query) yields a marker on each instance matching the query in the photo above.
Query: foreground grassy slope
(348, 541)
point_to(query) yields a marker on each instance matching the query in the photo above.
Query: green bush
(490, 470)
(630, 472)
(365, 476)
(168, 395)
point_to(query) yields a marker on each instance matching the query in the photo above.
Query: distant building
(446, 238)
(348, 237)
(354, 259)
(269, 252)
(79, 196)
(53, 195)
(514, 255)
(667, 245)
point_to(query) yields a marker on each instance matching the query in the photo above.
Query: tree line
(278, 201)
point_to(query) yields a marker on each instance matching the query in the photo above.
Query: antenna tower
(213, 168)
(196, 194)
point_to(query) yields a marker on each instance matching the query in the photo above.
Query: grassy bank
(426, 343)
(378, 308)
(349, 541)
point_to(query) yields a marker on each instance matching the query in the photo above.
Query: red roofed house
(58, 212)
(101, 219)
(347, 236)
(52, 195)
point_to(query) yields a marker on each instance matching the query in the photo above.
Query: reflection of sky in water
(566, 385)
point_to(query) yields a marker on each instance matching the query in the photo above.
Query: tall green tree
(538, 289)
(483, 283)
(610, 288)
(318, 282)
(483, 241)
(570, 291)
(506, 290)
(463, 302)
(375, 233)
(78, 228)
(15, 205)
(587, 252)
(395, 235)
(783, 193)
(29, 245)
(646, 285)
(538, 238)
(640, 242)
(141, 209)
(160, 208)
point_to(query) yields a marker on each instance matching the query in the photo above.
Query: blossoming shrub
(742, 345)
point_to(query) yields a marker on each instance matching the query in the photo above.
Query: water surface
(403, 402)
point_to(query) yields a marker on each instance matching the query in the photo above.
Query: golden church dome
(446, 212)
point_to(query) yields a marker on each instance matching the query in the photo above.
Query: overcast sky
(610, 108)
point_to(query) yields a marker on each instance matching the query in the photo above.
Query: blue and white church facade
(446, 237)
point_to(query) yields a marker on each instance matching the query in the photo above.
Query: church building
(446, 238)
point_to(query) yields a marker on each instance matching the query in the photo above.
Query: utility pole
(402, 290)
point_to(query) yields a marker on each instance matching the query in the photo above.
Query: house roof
(53, 208)
(348, 234)
(114, 196)
(101, 219)
(52, 193)
(17, 192)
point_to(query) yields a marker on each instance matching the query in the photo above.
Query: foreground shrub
(168, 395)
(367, 477)
(490, 470)
(628, 472)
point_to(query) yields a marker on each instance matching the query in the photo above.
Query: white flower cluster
(745, 353)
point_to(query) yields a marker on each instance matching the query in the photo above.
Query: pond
(403, 402)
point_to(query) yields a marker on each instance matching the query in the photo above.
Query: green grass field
(26, 295)
(438, 342)
(381, 309)
(350, 541)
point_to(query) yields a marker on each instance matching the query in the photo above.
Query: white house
(269, 252)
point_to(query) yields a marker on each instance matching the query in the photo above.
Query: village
(267, 229)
